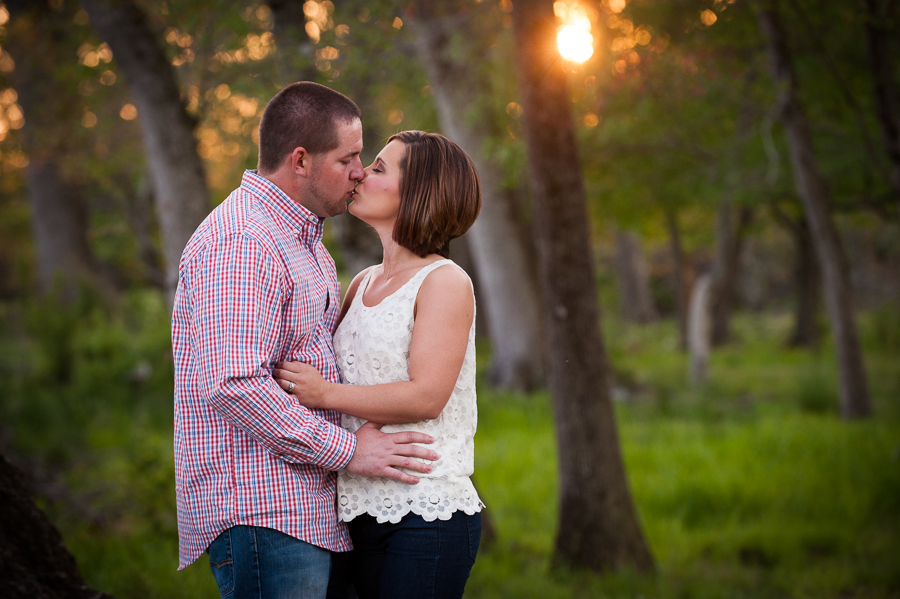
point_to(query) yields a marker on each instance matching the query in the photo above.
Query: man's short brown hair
(303, 114)
(440, 195)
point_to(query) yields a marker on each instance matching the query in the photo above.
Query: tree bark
(180, 191)
(635, 298)
(598, 525)
(34, 562)
(729, 240)
(509, 294)
(679, 285)
(813, 192)
(37, 41)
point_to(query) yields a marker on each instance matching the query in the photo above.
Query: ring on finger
(291, 386)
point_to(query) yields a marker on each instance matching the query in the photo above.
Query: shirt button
(434, 499)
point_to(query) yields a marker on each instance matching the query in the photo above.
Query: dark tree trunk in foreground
(37, 42)
(179, 185)
(679, 285)
(887, 102)
(635, 298)
(34, 562)
(814, 195)
(509, 293)
(729, 240)
(598, 525)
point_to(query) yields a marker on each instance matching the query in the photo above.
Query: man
(255, 472)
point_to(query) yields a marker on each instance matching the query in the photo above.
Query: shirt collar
(298, 217)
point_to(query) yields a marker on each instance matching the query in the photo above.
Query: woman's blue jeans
(413, 559)
(251, 562)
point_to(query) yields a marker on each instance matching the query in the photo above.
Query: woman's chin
(351, 208)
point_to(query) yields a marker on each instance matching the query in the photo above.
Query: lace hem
(432, 499)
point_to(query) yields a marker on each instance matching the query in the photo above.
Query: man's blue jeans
(251, 562)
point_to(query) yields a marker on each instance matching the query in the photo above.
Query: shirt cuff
(338, 446)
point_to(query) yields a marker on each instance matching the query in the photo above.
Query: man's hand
(380, 454)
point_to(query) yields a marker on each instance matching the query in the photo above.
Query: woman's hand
(308, 385)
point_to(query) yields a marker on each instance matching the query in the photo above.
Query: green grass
(747, 486)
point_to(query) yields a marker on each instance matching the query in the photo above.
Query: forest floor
(749, 486)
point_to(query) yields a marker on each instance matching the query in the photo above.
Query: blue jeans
(413, 559)
(251, 562)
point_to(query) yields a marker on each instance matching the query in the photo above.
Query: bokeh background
(761, 449)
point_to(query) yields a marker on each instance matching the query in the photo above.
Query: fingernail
(430, 469)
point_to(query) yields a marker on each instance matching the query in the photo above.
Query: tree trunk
(806, 277)
(729, 240)
(509, 294)
(635, 298)
(598, 525)
(37, 38)
(34, 562)
(811, 188)
(699, 329)
(806, 322)
(679, 285)
(886, 98)
(182, 197)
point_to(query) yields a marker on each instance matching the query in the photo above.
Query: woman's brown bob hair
(440, 196)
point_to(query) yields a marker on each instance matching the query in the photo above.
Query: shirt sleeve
(238, 294)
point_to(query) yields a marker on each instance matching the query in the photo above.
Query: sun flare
(574, 39)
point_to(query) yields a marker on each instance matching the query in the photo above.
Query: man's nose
(357, 173)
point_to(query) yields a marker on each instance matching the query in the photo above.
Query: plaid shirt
(256, 286)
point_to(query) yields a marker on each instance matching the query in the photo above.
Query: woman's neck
(395, 259)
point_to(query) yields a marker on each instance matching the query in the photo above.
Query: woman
(405, 347)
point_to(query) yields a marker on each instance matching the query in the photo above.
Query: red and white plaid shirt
(256, 286)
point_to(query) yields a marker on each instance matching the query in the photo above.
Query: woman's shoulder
(446, 283)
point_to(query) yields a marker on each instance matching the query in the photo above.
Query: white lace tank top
(372, 348)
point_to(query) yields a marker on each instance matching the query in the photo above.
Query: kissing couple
(320, 441)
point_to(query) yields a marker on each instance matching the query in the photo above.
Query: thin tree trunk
(806, 323)
(887, 102)
(811, 187)
(598, 525)
(635, 298)
(699, 329)
(509, 294)
(37, 41)
(729, 241)
(806, 277)
(679, 285)
(182, 197)
(34, 562)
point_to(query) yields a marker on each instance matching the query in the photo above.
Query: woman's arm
(444, 308)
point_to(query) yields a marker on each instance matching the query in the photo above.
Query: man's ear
(300, 162)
